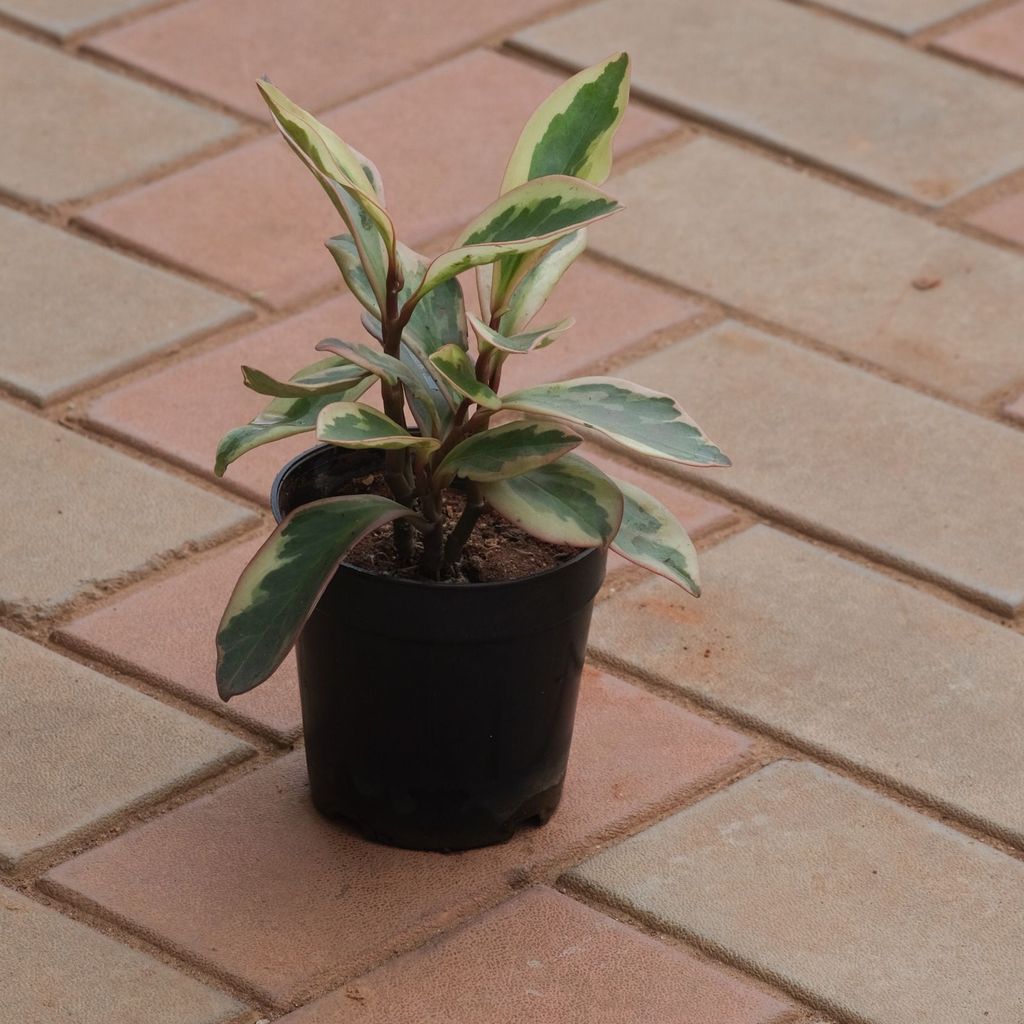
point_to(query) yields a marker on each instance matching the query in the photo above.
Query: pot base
(468, 830)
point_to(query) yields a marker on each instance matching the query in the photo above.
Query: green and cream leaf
(537, 284)
(283, 417)
(346, 254)
(507, 450)
(653, 538)
(342, 172)
(454, 366)
(520, 343)
(329, 376)
(564, 502)
(280, 586)
(522, 221)
(645, 421)
(571, 132)
(352, 425)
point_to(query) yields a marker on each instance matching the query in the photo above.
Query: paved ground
(798, 800)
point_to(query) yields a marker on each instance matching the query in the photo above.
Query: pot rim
(275, 508)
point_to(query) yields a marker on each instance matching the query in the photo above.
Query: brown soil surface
(497, 550)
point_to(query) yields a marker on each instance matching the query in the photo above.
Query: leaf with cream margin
(571, 132)
(564, 502)
(454, 366)
(652, 537)
(526, 219)
(520, 343)
(526, 299)
(351, 425)
(329, 376)
(283, 417)
(507, 450)
(645, 421)
(343, 174)
(427, 403)
(279, 588)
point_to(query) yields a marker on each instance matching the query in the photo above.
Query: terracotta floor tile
(63, 18)
(65, 746)
(903, 16)
(165, 632)
(871, 107)
(897, 480)
(323, 51)
(252, 880)
(255, 219)
(997, 39)
(82, 514)
(113, 311)
(542, 958)
(184, 410)
(1016, 409)
(1005, 217)
(872, 909)
(613, 310)
(56, 969)
(79, 128)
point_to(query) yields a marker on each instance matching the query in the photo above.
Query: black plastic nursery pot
(437, 716)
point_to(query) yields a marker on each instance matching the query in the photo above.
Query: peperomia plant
(439, 396)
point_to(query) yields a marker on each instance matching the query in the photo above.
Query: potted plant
(436, 562)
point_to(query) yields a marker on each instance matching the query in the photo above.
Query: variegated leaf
(346, 254)
(329, 376)
(636, 417)
(351, 425)
(428, 405)
(389, 369)
(520, 343)
(439, 317)
(538, 283)
(565, 502)
(279, 588)
(507, 450)
(453, 364)
(528, 218)
(342, 173)
(571, 132)
(283, 417)
(652, 537)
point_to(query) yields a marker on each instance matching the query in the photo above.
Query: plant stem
(464, 527)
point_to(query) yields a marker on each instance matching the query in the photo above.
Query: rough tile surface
(613, 310)
(217, 878)
(1016, 409)
(903, 16)
(112, 312)
(92, 112)
(66, 746)
(63, 18)
(72, 520)
(914, 125)
(997, 39)
(1004, 217)
(885, 286)
(320, 52)
(54, 969)
(182, 411)
(853, 663)
(542, 958)
(254, 217)
(165, 632)
(898, 476)
(884, 914)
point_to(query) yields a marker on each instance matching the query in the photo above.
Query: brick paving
(796, 801)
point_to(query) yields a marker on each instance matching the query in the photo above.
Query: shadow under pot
(437, 716)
